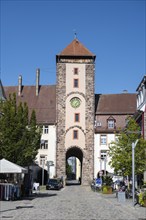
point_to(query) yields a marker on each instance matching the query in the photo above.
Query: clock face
(75, 102)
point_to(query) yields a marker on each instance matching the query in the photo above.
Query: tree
(68, 169)
(19, 136)
(120, 151)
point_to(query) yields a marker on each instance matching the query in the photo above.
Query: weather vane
(75, 34)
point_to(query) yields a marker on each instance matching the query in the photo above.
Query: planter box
(107, 190)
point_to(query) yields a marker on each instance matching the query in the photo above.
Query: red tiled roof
(117, 106)
(124, 103)
(44, 104)
(75, 48)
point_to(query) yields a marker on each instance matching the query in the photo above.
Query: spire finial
(75, 34)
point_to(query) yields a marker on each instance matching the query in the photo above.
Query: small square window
(103, 139)
(76, 83)
(75, 134)
(77, 117)
(76, 71)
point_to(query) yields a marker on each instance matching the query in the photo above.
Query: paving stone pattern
(71, 203)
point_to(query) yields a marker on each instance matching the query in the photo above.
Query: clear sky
(33, 32)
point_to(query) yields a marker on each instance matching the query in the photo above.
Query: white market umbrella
(9, 167)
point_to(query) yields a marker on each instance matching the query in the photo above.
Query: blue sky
(33, 32)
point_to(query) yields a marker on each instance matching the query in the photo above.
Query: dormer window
(111, 123)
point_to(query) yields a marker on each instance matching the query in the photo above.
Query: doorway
(74, 158)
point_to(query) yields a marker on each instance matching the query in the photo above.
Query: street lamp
(133, 170)
(43, 163)
(133, 163)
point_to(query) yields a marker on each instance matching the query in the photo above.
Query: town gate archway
(76, 152)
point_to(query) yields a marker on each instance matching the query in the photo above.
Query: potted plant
(142, 198)
(107, 185)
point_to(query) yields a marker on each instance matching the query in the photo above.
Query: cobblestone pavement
(71, 203)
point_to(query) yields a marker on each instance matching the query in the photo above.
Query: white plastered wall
(97, 148)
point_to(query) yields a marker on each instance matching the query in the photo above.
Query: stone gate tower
(75, 109)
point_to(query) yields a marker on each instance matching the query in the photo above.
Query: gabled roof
(2, 93)
(44, 104)
(75, 48)
(124, 103)
(143, 82)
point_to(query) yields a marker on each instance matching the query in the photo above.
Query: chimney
(37, 81)
(19, 85)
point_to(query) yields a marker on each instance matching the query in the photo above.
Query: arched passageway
(74, 159)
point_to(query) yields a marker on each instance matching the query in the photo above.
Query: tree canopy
(19, 135)
(120, 151)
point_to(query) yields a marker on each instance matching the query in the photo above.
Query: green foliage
(142, 198)
(121, 150)
(19, 136)
(68, 169)
(107, 180)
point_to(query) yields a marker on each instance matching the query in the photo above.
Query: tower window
(76, 71)
(75, 134)
(76, 83)
(77, 117)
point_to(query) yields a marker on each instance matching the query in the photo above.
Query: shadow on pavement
(38, 195)
(29, 198)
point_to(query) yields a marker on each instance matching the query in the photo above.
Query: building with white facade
(111, 113)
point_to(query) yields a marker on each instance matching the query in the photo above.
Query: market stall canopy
(9, 167)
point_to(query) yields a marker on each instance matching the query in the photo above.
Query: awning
(9, 167)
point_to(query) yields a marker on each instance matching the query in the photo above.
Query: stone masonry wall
(60, 105)
(88, 160)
